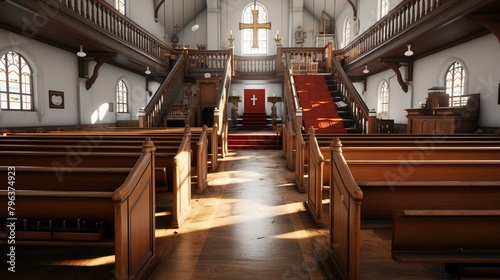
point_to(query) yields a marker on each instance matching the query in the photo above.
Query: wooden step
(258, 141)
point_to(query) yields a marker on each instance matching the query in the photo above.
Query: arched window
(121, 97)
(120, 6)
(347, 31)
(384, 6)
(455, 83)
(247, 34)
(383, 100)
(16, 83)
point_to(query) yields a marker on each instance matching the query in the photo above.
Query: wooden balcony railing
(396, 22)
(164, 98)
(261, 65)
(212, 60)
(107, 19)
(318, 55)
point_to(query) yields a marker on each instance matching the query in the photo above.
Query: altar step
(254, 121)
(254, 140)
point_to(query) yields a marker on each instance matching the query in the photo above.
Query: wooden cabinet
(385, 126)
(207, 90)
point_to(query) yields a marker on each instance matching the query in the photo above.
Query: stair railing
(358, 109)
(220, 111)
(164, 98)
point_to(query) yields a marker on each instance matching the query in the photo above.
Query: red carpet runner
(318, 108)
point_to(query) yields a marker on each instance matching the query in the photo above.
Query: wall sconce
(81, 53)
(195, 27)
(147, 72)
(366, 71)
(230, 38)
(409, 52)
(277, 38)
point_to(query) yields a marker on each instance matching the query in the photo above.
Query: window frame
(26, 89)
(121, 3)
(383, 99)
(456, 70)
(247, 34)
(384, 8)
(120, 95)
(346, 32)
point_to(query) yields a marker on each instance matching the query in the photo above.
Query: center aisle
(251, 223)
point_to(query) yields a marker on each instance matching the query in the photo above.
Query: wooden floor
(250, 224)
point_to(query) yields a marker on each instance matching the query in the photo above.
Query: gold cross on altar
(255, 26)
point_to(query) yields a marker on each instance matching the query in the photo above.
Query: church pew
(413, 150)
(291, 136)
(354, 202)
(126, 206)
(59, 162)
(452, 237)
(122, 136)
(75, 153)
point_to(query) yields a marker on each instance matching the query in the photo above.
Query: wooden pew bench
(359, 196)
(452, 237)
(123, 199)
(81, 146)
(416, 147)
(116, 136)
(62, 161)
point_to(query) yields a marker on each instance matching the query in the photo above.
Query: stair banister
(163, 99)
(351, 97)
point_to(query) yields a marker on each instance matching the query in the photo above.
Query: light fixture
(230, 38)
(277, 38)
(366, 71)
(147, 72)
(409, 52)
(81, 53)
(195, 26)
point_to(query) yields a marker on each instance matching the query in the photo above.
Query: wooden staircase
(254, 140)
(342, 108)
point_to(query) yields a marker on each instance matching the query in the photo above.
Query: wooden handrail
(152, 115)
(212, 60)
(351, 97)
(220, 112)
(107, 19)
(395, 23)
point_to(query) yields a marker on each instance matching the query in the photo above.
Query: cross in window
(255, 25)
(253, 100)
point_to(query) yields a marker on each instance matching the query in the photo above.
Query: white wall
(480, 57)
(270, 89)
(55, 69)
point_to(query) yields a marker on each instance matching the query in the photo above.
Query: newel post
(279, 60)
(142, 118)
(372, 121)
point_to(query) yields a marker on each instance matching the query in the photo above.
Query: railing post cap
(148, 146)
(142, 112)
(336, 145)
(372, 112)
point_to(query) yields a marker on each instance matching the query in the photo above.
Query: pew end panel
(182, 182)
(314, 201)
(127, 211)
(345, 216)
